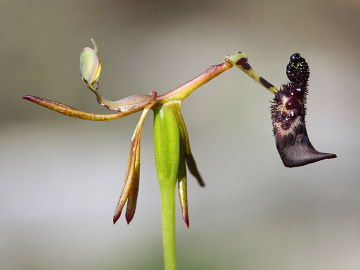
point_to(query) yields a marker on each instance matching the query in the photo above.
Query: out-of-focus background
(60, 177)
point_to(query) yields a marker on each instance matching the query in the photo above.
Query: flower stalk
(167, 157)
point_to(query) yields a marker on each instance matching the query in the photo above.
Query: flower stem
(167, 194)
(167, 152)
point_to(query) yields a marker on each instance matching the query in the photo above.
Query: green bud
(90, 66)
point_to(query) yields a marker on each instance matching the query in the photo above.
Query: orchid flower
(173, 154)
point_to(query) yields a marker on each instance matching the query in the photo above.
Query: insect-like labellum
(288, 117)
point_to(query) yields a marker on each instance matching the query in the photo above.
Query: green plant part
(90, 66)
(172, 149)
(167, 157)
(190, 161)
(171, 140)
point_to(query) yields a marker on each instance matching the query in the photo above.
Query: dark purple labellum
(288, 118)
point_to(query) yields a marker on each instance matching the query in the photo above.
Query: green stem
(167, 153)
(167, 194)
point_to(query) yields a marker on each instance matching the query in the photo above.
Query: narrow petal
(70, 111)
(130, 178)
(190, 161)
(133, 169)
(132, 200)
(182, 186)
(129, 181)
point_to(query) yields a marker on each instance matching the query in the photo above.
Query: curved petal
(70, 111)
(182, 185)
(190, 161)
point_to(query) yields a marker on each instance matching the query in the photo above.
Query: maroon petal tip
(28, 97)
(129, 216)
(116, 217)
(35, 99)
(186, 220)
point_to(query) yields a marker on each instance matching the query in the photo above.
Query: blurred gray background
(60, 177)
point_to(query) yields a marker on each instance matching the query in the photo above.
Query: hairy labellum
(288, 117)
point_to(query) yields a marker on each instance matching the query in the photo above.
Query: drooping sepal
(133, 195)
(182, 186)
(130, 187)
(131, 184)
(190, 161)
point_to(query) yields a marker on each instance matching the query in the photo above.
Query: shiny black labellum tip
(288, 118)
